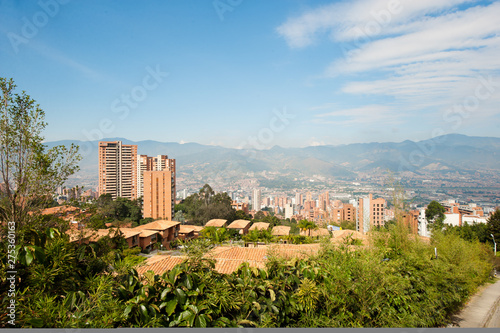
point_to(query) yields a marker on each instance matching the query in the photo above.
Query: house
(260, 226)
(168, 230)
(186, 232)
(81, 236)
(147, 238)
(87, 236)
(281, 230)
(196, 229)
(131, 236)
(241, 226)
(218, 223)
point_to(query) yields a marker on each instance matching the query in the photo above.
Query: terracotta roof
(347, 233)
(127, 232)
(59, 210)
(186, 229)
(239, 224)
(228, 266)
(196, 228)
(281, 230)
(228, 259)
(75, 235)
(161, 266)
(243, 253)
(315, 232)
(142, 233)
(259, 226)
(219, 223)
(158, 225)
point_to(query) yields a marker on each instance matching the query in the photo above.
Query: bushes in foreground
(395, 282)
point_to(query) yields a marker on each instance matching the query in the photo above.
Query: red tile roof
(228, 259)
(281, 230)
(239, 224)
(219, 223)
(158, 225)
(259, 226)
(186, 229)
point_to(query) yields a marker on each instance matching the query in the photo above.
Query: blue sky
(241, 73)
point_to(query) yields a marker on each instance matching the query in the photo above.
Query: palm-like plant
(307, 225)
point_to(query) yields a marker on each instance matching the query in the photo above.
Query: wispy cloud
(421, 54)
(370, 114)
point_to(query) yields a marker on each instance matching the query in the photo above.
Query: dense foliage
(119, 212)
(201, 207)
(396, 282)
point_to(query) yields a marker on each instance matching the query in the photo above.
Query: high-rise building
(147, 163)
(256, 200)
(298, 199)
(159, 194)
(324, 200)
(159, 190)
(117, 169)
(371, 212)
(288, 211)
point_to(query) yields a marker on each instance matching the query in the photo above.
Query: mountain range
(447, 153)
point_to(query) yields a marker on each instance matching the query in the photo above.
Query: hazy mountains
(455, 153)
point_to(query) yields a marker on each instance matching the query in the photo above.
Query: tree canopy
(494, 225)
(205, 205)
(30, 172)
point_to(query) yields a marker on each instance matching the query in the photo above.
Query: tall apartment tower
(324, 200)
(118, 169)
(298, 199)
(371, 212)
(147, 163)
(256, 200)
(159, 189)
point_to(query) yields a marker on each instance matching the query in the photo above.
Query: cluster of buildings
(366, 211)
(124, 173)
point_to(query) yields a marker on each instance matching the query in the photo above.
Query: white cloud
(356, 19)
(369, 114)
(423, 55)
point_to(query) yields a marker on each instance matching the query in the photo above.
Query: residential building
(148, 163)
(259, 226)
(241, 226)
(324, 200)
(289, 211)
(423, 224)
(168, 230)
(281, 230)
(371, 212)
(256, 200)
(117, 169)
(240, 206)
(217, 223)
(159, 194)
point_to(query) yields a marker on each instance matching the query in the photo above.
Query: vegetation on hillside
(396, 282)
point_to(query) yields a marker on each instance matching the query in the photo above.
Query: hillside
(448, 153)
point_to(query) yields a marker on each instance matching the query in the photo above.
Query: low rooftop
(219, 223)
(259, 226)
(239, 224)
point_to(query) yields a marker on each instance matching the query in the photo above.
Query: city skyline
(309, 73)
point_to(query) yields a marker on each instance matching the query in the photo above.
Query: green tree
(307, 225)
(494, 225)
(434, 211)
(435, 214)
(205, 205)
(30, 172)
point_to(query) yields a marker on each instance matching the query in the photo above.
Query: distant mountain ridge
(452, 152)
